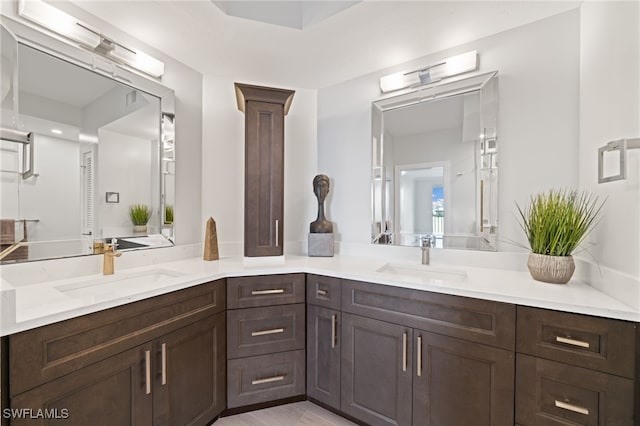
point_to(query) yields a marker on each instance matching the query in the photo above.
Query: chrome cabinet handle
(571, 407)
(267, 380)
(404, 351)
(419, 356)
(573, 342)
(266, 332)
(334, 318)
(272, 291)
(147, 362)
(322, 292)
(277, 233)
(164, 364)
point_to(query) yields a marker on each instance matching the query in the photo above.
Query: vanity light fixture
(56, 20)
(56, 131)
(430, 74)
(66, 25)
(137, 59)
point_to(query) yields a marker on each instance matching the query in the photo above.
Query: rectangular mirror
(99, 146)
(435, 165)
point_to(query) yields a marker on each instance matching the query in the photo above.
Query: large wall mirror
(435, 165)
(98, 145)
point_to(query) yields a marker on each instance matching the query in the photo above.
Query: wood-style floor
(303, 413)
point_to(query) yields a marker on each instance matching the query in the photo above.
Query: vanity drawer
(553, 393)
(596, 343)
(46, 353)
(265, 378)
(323, 291)
(265, 290)
(481, 321)
(258, 331)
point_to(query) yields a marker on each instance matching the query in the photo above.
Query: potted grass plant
(140, 215)
(555, 224)
(168, 215)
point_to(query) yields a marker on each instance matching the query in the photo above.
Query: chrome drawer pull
(334, 317)
(322, 292)
(404, 351)
(164, 364)
(147, 366)
(573, 342)
(267, 380)
(265, 332)
(272, 291)
(571, 407)
(419, 356)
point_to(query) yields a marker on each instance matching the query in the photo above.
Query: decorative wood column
(264, 108)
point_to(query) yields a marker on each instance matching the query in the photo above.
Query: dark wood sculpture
(321, 188)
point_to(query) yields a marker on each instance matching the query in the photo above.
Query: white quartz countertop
(26, 305)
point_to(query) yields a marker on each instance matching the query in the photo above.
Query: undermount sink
(422, 273)
(118, 285)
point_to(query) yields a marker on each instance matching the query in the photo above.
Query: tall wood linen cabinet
(264, 108)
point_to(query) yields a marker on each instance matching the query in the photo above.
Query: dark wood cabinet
(266, 339)
(265, 290)
(189, 374)
(377, 369)
(264, 108)
(576, 369)
(174, 376)
(394, 372)
(323, 355)
(551, 393)
(115, 391)
(461, 383)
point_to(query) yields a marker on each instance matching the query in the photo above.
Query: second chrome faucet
(426, 243)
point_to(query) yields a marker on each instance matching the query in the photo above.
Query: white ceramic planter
(551, 269)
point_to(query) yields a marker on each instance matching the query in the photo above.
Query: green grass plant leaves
(557, 221)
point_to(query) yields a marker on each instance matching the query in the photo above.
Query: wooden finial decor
(211, 241)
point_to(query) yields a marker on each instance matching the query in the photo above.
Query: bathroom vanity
(223, 336)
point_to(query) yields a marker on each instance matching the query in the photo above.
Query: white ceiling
(362, 38)
(293, 14)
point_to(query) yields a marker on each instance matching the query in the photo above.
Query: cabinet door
(323, 355)
(264, 179)
(189, 374)
(550, 393)
(115, 391)
(376, 371)
(461, 383)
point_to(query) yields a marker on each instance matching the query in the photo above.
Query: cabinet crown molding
(248, 92)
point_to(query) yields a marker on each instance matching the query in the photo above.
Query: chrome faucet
(109, 253)
(426, 243)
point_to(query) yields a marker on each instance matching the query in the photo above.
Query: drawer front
(265, 290)
(481, 321)
(259, 331)
(61, 348)
(323, 291)
(553, 393)
(596, 343)
(265, 378)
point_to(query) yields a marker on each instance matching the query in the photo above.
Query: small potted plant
(168, 215)
(140, 215)
(555, 223)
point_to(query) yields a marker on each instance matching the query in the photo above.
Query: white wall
(57, 161)
(610, 110)
(130, 176)
(538, 68)
(223, 162)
